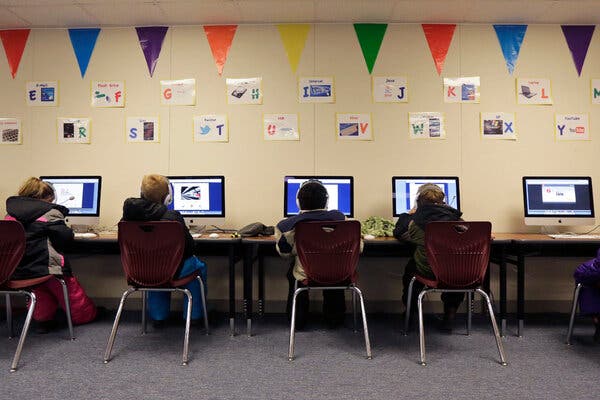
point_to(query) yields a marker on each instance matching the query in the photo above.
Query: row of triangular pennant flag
(370, 36)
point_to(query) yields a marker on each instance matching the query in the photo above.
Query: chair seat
(171, 284)
(25, 283)
(431, 283)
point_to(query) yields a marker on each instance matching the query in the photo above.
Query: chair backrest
(150, 251)
(12, 248)
(458, 252)
(328, 251)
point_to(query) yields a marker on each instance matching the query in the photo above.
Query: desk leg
(502, 278)
(232, 290)
(520, 292)
(248, 261)
(261, 284)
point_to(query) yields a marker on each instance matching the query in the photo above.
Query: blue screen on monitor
(404, 191)
(339, 188)
(558, 196)
(198, 196)
(80, 194)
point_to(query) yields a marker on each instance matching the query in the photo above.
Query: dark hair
(312, 196)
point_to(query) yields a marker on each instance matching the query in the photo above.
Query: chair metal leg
(25, 330)
(67, 307)
(9, 316)
(188, 321)
(354, 309)
(573, 311)
(408, 305)
(144, 321)
(364, 321)
(469, 311)
(421, 326)
(113, 332)
(494, 325)
(293, 322)
(206, 328)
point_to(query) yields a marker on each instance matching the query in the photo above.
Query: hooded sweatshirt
(46, 234)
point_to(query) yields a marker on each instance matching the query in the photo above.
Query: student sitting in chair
(410, 227)
(152, 206)
(588, 274)
(46, 235)
(312, 201)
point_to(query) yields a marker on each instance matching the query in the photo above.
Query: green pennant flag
(370, 37)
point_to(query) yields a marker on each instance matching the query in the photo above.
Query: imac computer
(404, 191)
(198, 197)
(556, 201)
(339, 188)
(81, 195)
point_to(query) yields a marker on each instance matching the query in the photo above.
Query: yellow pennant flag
(294, 39)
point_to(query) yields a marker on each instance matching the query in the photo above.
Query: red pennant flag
(439, 37)
(14, 41)
(219, 38)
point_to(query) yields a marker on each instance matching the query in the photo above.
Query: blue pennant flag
(83, 41)
(510, 38)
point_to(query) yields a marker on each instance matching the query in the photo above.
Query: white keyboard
(84, 235)
(573, 236)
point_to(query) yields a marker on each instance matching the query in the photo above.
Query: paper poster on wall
(108, 94)
(390, 89)
(354, 126)
(244, 91)
(426, 125)
(211, 128)
(595, 92)
(572, 127)
(181, 92)
(142, 130)
(461, 90)
(10, 128)
(73, 130)
(498, 125)
(533, 91)
(41, 94)
(316, 90)
(280, 127)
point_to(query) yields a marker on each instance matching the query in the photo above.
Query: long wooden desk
(106, 243)
(256, 248)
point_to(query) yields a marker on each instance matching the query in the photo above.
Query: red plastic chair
(458, 253)
(151, 252)
(12, 248)
(329, 253)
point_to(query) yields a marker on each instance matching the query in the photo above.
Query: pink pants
(50, 295)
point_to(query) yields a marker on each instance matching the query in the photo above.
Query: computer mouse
(196, 235)
(214, 235)
(369, 237)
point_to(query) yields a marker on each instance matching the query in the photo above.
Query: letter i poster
(354, 127)
(142, 130)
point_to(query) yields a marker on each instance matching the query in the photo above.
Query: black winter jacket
(46, 235)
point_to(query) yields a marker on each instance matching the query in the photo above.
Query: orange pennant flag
(219, 38)
(439, 37)
(14, 41)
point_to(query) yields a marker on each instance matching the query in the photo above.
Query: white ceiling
(106, 13)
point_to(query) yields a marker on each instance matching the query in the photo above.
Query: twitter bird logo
(204, 130)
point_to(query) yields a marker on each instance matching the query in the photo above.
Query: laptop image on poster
(525, 91)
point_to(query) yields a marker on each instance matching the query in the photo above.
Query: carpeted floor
(330, 364)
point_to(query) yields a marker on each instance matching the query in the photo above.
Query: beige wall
(490, 171)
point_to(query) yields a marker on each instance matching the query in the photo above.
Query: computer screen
(339, 188)
(80, 194)
(404, 191)
(198, 196)
(558, 200)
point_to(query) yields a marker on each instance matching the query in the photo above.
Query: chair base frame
(144, 290)
(573, 312)
(25, 330)
(355, 292)
(470, 293)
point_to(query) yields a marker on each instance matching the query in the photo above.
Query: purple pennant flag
(151, 40)
(578, 39)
